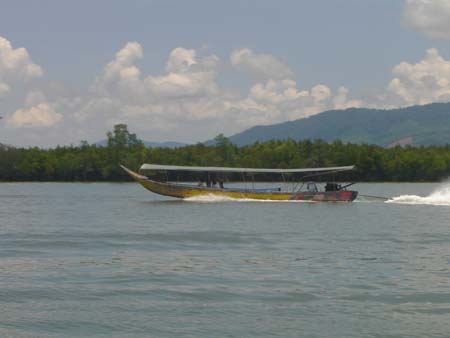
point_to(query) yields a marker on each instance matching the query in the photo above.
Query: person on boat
(221, 184)
(332, 186)
(311, 187)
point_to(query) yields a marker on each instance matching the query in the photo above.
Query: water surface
(114, 260)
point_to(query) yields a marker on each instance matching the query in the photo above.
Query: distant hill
(149, 144)
(415, 125)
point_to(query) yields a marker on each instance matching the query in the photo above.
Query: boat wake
(215, 199)
(441, 196)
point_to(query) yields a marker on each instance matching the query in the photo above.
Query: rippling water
(113, 260)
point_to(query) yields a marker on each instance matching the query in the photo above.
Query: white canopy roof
(241, 170)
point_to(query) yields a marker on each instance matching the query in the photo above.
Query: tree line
(89, 162)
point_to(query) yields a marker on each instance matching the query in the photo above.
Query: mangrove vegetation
(89, 162)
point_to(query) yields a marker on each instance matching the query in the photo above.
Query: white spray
(440, 196)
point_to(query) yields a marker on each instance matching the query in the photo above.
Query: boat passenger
(311, 187)
(331, 186)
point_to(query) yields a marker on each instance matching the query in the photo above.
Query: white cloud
(262, 65)
(187, 97)
(340, 101)
(35, 97)
(280, 100)
(4, 89)
(181, 60)
(188, 91)
(120, 73)
(423, 82)
(187, 76)
(15, 66)
(184, 102)
(431, 17)
(41, 115)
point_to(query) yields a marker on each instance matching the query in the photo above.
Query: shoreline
(256, 182)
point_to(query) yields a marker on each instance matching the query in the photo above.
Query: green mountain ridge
(419, 125)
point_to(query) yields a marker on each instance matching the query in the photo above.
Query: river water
(114, 260)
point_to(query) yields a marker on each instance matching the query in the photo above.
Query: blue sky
(291, 59)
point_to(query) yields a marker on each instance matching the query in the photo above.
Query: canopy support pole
(284, 181)
(243, 179)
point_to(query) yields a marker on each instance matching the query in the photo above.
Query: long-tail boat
(211, 183)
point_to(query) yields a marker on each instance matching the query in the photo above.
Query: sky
(188, 70)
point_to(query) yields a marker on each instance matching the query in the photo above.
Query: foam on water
(211, 198)
(441, 196)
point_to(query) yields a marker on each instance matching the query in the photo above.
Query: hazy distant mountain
(168, 144)
(416, 125)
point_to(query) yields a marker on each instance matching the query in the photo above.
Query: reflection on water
(115, 260)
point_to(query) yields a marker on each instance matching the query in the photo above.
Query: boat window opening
(294, 183)
(297, 185)
(161, 176)
(301, 187)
